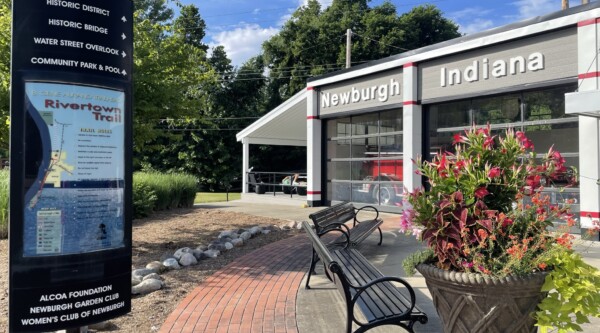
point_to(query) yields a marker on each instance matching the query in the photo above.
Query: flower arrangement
(484, 212)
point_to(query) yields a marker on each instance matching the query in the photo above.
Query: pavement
(263, 292)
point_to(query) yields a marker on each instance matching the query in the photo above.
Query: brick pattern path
(254, 294)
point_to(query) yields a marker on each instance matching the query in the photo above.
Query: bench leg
(311, 269)
(380, 236)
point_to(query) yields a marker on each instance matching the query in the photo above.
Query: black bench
(333, 217)
(368, 294)
(336, 217)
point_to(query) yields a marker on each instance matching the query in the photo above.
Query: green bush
(172, 190)
(144, 199)
(4, 195)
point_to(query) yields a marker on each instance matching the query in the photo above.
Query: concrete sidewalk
(264, 291)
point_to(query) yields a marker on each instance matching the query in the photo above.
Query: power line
(380, 42)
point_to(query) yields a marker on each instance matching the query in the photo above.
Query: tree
(191, 27)
(208, 147)
(156, 11)
(168, 80)
(312, 42)
(425, 25)
(5, 40)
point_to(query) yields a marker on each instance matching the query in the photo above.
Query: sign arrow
(124, 54)
(124, 19)
(123, 36)
(124, 73)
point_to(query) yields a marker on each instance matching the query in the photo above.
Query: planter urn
(475, 303)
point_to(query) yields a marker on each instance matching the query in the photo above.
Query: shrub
(171, 190)
(4, 195)
(144, 199)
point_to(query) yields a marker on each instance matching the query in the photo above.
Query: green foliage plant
(144, 199)
(485, 213)
(172, 190)
(4, 196)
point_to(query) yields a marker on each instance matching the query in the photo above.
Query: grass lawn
(204, 197)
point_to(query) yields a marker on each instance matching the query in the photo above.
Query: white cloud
(469, 12)
(324, 3)
(473, 19)
(244, 42)
(476, 25)
(531, 8)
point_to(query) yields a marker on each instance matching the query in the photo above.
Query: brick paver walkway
(254, 294)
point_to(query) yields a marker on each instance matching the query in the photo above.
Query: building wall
(540, 59)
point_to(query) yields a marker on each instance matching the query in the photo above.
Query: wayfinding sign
(70, 165)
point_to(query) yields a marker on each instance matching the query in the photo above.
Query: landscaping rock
(237, 242)
(153, 276)
(266, 232)
(212, 253)
(179, 253)
(255, 231)
(217, 246)
(228, 246)
(135, 280)
(202, 248)
(227, 233)
(246, 235)
(146, 287)
(199, 254)
(188, 259)
(142, 272)
(165, 256)
(156, 266)
(171, 264)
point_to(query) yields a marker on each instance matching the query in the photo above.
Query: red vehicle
(384, 183)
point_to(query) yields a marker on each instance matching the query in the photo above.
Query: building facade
(365, 125)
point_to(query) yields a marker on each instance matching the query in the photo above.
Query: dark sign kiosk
(70, 169)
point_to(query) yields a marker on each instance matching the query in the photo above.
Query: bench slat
(381, 303)
(382, 299)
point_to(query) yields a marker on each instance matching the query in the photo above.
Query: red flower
(458, 138)
(488, 142)
(481, 192)
(525, 142)
(494, 172)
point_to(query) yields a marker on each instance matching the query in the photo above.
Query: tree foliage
(156, 11)
(168, 77)
(313, 41)
(5, 40)
(191, 27)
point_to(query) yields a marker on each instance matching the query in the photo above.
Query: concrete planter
(470, 303)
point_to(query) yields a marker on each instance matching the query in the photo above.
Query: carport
(283, 126)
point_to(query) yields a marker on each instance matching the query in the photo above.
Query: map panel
(76, 203)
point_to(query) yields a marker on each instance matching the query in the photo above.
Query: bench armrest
(358, 210)
(408, 287)
(346, 233)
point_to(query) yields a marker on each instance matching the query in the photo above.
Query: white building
(365, 124)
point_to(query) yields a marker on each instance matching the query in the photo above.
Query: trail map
(75, 204)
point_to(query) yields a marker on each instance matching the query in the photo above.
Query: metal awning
(283, 126)
(583, 103)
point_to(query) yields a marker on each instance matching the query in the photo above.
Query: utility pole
(348, 48)
(565, 4)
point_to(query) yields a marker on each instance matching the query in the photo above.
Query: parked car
(294, 184)
(385, 193)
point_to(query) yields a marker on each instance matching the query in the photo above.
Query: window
(364, 158)
(540, 114)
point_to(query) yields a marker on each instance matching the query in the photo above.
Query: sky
(242, 25)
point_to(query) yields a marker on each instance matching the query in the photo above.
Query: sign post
(70, 163)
